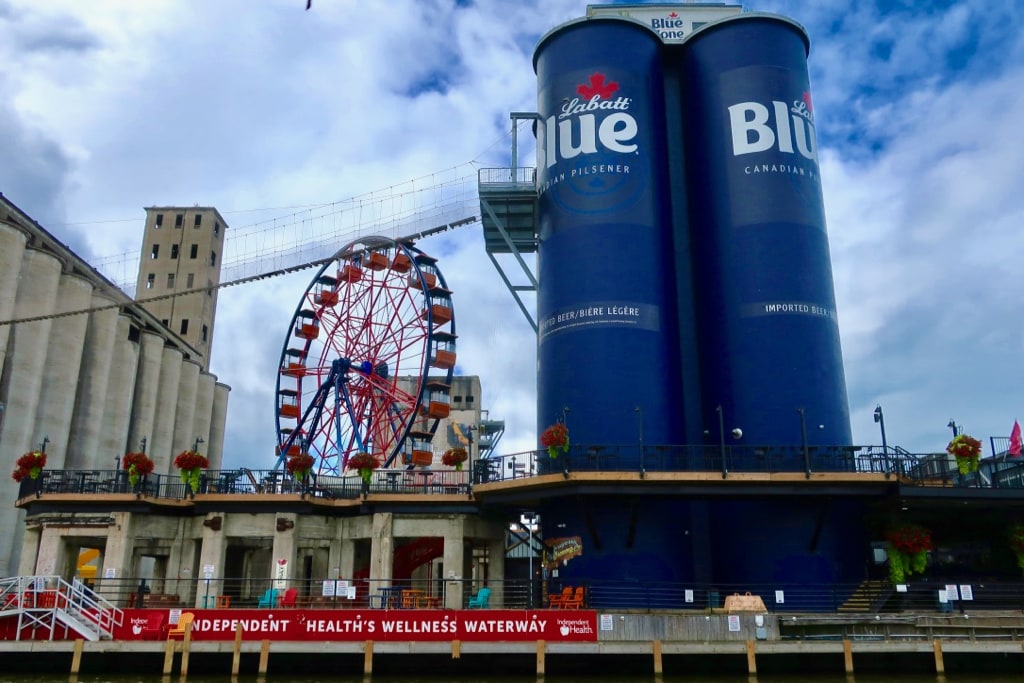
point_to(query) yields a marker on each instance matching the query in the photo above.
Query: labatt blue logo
(759, 128)
(590, 144)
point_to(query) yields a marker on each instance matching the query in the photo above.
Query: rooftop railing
(925, 469)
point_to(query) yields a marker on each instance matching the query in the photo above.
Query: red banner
(377, 625)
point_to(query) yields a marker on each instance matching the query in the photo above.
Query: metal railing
(924, 469)
(868, 597)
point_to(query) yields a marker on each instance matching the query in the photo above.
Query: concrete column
(60, 373)
(167, 400)
(184, 414)
(50, 559)
(346, 560)
(117, 407)
(30, 546)
(204, 409)
(26, 355)
(147, 383)
(382, 549)
(284, 549)
(12, 250)
(86, 424)
(496, 570)
(454, 559)
(213, 552)
(118, 556)
(218, 422)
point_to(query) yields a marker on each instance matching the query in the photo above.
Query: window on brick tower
(469, 400)
(184, 325)
(179, 219)
(216, 228)
(174, 251)
(159, 221)
(150, 280)
(191, 280)
(206, 330)
(155, 252)
(213, 258)
(199, 222)
(193, 251)
(170, 280)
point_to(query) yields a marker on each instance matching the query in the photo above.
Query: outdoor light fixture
(952, 425)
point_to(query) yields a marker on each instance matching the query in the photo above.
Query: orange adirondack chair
(557, 600)
(182, 627)
(576, 601)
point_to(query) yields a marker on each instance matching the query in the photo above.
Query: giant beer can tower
(607, 338)
(766, 316)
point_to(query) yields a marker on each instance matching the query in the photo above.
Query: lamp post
(529, 520)
(803, 437)
(721, 440)
(956, 429)
(880, 420)
(640, 436)
(199, 440)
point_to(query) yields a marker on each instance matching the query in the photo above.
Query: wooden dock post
(368, 658)
(76, 658)
(940, 666)
(456, 649)
(540, 658)
(847, 656)
(751, 658)
(656, 652)
(236, 656)
(186, 650)
(168, 657)
(264, 656)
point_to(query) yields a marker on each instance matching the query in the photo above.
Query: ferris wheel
(367, 362)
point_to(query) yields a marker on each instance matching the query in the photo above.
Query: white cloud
(111, 106)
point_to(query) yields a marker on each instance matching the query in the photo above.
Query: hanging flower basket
(137, 465)
(967, 451)
(299, 465)
(365, 464)
(29, 465)
(454, 457)
(908, 551)
(191, 465)
(1016, 538)
(555, 438)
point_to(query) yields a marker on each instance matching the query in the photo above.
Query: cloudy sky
(282, 117)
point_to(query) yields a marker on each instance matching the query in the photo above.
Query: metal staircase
(54, 606)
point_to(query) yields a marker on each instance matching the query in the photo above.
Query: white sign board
(734, 623)
(688, 595)
(673, 22)
(327, 589)
(951, 591)
(780, 597)
(607, 622)
(966, 592)
(110, 573)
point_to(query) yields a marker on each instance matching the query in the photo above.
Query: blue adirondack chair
(481, 599)
(269, 598)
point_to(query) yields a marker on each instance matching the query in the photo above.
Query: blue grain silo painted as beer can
(606, 311)
(766, 313)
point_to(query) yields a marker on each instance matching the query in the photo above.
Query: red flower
(363, 461)
(299, 465)
(910, 539)
(29, 465)
(190, 460)
(555, 438)
(454, 456)
(140, 461)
